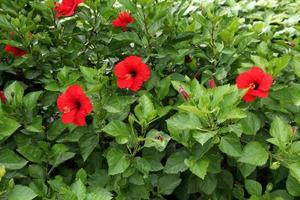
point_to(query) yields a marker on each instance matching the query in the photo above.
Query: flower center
(77, 104)
(253, 86)
(132, 74)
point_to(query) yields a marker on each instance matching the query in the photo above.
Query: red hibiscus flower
(66, 7)
(132, 73)
(122, 20)
(3, 97)
(15, 51)
(74, 105)
(257, 81)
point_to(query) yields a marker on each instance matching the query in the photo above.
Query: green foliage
(176, 138)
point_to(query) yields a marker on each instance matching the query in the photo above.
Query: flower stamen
(66, 109)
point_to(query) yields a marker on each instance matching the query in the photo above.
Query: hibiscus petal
(86, 104)
(121, 70)
(137, 84)
(64, 101)
(79, 119)
(266, 83)
(133, 61)
(259, 93)
(257, 74)
(67, 118)
(14, 50)
(144, 71)
(248, 98)
(75, 91)
(125, 83)
(243, 80)
(122, 20)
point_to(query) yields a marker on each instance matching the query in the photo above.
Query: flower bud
(212, 83)
(3, 97)
(11, 184)
(2, 171)
(184, 94)
(269, 187)
(275, 165)
(188, 59)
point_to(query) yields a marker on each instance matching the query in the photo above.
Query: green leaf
(209, 184)
(230, 113)
(193, 110)
(21, 192)
(59, 153)
(81, 175)
(295, 63)
(89, 74)
(117, 161)
(175, 163)
(7, 127)
(68, 194)
(100, 194)
(278, 64)
(31, 152)
(57, 183)
(197, 166)
(119, 130)
(5, 25)
(129, 37)
(153, 157)
(184, 121)
(281, 132)
(246, 169)
(142, 165)
(88, 143)
(55, 130)
(145, 109)
(30, 100)
(295, 170)
(128, 5)
(203, 137)
(288, 95)
(167, 184)
(251, 124)
(293, 186)
(157, 139)
(254, 154)
(10, 160)
(260, 61)
(14, 93)
(230, 145)
(253, 187)
(37, 171)
(79, 189)
(163, 87)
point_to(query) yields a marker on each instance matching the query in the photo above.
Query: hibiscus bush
(149, 99)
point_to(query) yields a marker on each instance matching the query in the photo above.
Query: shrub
(144, 99)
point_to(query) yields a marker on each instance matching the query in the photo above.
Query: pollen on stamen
(252, 85)
(66, 109)
(128, 76)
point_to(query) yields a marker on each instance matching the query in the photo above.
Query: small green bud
(11, 184)
(275, 165)
(269, 187)
(2, 171)
(216, 140)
